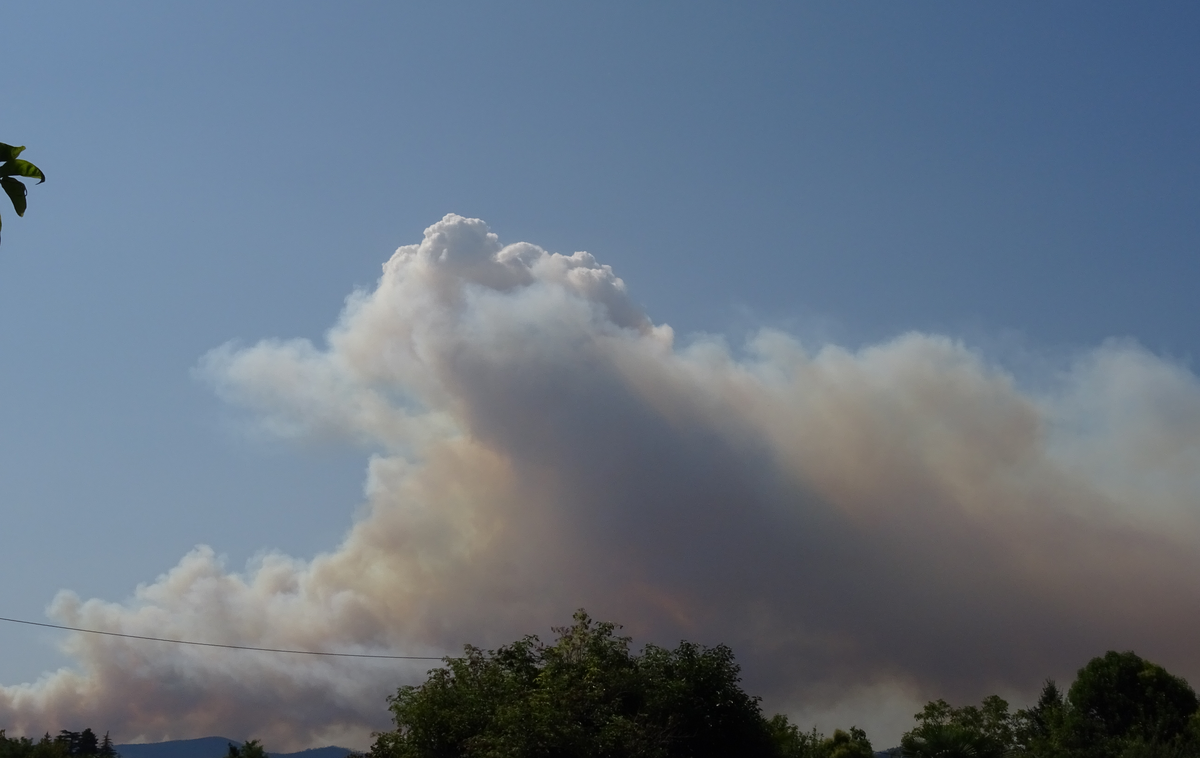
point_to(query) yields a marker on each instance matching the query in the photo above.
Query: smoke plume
(866, 528)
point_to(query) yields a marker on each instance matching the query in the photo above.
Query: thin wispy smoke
(866, 528)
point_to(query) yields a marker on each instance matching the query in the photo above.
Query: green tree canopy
(79, 743)
(66, 745)
(1120, 706)
(983, 731)
(1120, 699)
(585, 695)
(248, 749)
(106, 748)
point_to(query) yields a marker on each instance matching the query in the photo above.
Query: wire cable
(229, 647)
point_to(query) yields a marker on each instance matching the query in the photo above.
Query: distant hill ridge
(218, 747)
(214, 747)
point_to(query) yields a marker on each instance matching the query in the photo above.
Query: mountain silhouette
(213, 747)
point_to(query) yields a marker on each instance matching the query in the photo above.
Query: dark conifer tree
(88, 744)
(106, 748)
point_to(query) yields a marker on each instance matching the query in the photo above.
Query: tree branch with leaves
(13, 167)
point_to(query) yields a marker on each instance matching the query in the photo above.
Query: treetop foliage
(1121, 697)
(65, 745)
(248, 749)
(587, 695)
(790, 742)
(1120, 706)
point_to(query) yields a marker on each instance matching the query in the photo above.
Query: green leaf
(16, 191)
(9, 152)
(18, 167)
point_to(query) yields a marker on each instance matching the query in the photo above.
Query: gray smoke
(866, 528)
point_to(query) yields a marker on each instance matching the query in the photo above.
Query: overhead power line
(218, 644)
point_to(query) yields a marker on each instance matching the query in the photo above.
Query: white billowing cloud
(870, 526)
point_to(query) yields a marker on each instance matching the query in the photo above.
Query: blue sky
(1022, 176)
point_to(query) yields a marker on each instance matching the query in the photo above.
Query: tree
(88, 744)
(47, 747)
(1039, 730)
(586, 695)
(78, 743)
(1120, 706)
(67, 744)
(1119, 700)
(983, 731)
(13, 166)
(790, 742)
(852, 744)
(106, 748)
(248, 749)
